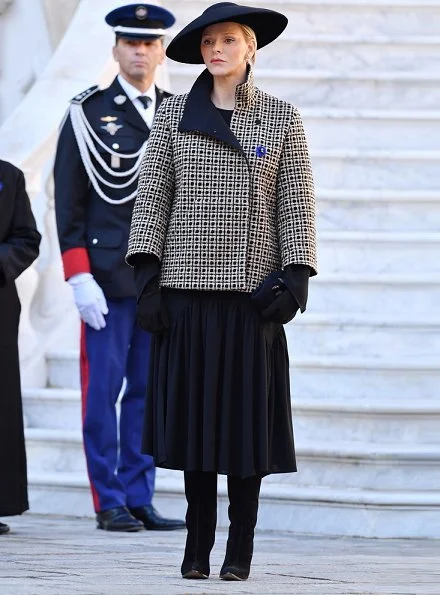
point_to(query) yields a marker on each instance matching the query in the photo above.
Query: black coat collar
(201, 115)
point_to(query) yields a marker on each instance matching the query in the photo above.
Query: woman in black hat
(223, 244)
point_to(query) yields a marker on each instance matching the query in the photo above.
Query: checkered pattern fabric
(218, 218)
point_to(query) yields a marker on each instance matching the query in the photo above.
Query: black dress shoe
(117, 519)
(153, 521)
(4, 528)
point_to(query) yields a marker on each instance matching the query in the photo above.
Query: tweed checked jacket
(221, 207)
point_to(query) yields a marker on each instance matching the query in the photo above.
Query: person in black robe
(19, 246)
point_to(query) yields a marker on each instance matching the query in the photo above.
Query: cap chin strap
(85, 137)
(139, 30)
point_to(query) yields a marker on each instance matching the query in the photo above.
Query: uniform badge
(120, 99)
(111, 128)
(141, 13)
(108, 119)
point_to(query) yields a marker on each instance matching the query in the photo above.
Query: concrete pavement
(63, 556)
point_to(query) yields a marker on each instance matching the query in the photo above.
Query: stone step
(60, 409)
(363, 335)
(330, 88)
(364, 378)
(399, 421)
(358, 512)
(385, 294)
(371, 129)
(50, 450)
(319, 511)
(63, 369)
(384, 420)
(53, 408)
(351, 52)
(379, 253)
(68, 493)
(361, 465)
(378, 170)
(378, 210)
(339, 17)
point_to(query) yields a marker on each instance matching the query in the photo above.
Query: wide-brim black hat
(267, 25)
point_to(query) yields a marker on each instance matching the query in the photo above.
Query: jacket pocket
(106, 249)
(105, 238)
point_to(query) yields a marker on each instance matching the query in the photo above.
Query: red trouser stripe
(84, 372)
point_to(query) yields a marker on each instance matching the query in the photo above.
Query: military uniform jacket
(223, 207)
(93, 233)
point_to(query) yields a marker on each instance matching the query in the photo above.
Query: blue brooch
(260, 151)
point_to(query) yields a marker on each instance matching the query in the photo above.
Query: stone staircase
(365, 358)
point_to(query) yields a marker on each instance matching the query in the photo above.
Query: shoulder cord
(83, 134)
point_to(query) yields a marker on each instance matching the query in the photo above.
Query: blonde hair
(250, 37)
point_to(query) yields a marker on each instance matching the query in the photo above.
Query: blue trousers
(119, 474)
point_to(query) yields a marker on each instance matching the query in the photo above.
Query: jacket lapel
(201, 115)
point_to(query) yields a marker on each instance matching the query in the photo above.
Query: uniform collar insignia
(120, 99)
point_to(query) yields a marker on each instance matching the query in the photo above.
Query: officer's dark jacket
(93, 234)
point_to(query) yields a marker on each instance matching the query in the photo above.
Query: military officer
(99, 152)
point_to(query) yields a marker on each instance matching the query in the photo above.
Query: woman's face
(225, 49)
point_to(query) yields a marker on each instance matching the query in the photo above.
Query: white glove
(89, 299)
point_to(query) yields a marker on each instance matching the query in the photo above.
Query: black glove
(282, 309)
(287, 296)
(152, 314)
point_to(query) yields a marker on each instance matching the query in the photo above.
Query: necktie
(146, 101)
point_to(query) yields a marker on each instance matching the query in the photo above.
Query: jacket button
(115, 146)
(95, 241)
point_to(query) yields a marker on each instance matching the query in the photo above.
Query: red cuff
(75, 260)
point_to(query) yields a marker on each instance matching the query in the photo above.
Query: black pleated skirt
(218, 395)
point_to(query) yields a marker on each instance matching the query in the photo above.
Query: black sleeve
(296, 278)
(71, 190)
(146, 272)
(21, 246)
